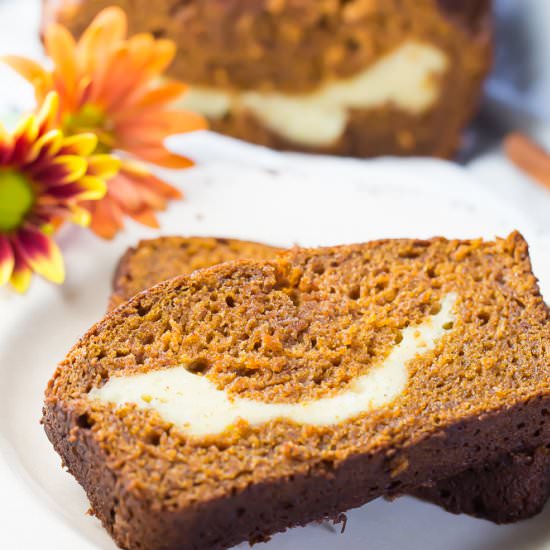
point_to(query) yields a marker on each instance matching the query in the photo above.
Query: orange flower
(111, 86)
(44, 179)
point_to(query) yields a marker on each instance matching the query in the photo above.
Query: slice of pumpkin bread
(252, 396)
(515, 487)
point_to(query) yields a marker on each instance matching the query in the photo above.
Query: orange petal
(97, 45)
(169, 191)
(153, 200)
(84, 90)
(41, 254)
(164, 53)
(165, 93)
(60, 46)
(7, 260)
(126, 71)
(153, 189)
(31, 71)
(153, 192)
(140, 49)
(109, 77)
(142, 53)
(157, 125)
(161, 157)
(147, 59)
(126, 193)
(67, 97)
(146, 217)
(97, 42)
(106, 218)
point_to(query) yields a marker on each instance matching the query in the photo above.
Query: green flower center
(16, 199)
(90, 119)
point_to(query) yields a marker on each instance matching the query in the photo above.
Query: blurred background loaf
(361, 77)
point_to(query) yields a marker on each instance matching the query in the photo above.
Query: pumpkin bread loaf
(366, 77)
(514, 488)
(255, 395)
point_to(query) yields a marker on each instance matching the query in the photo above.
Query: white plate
(277, 199)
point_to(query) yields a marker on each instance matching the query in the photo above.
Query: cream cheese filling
(405, 78)
(194, 403)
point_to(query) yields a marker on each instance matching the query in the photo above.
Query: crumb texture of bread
(156, 260)
(245, 46)
(301, 326)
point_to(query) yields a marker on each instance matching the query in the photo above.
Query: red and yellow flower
(111, 85)
(45, 178)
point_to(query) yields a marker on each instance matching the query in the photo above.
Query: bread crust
(515, 488)
(271, 507)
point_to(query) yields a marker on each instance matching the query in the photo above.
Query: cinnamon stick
(529, 157)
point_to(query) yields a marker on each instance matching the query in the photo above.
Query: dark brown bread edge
(267, 508)
(515, 488)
